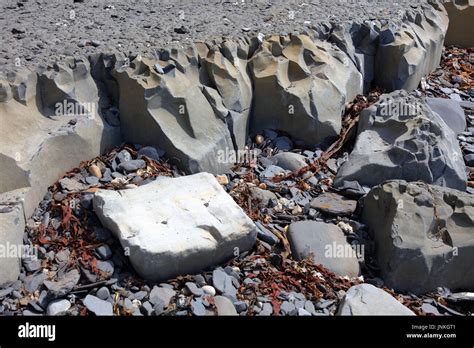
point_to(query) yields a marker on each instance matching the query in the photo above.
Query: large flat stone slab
(176, 226)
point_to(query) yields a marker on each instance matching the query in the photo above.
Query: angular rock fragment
(176, 226)
(423, 235)
(366, 299)
(400, 137)
(334, 204)
(326, 244)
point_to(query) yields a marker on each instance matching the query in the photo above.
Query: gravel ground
(40, 31)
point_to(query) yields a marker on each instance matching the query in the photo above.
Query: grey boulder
(326, 244)
(400, 137)
(423, 235)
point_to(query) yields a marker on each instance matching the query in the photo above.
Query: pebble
(71, 185)
(267, 310)
(97, 306)
(224, 283)
(199, 280)
(194, 289)
(161, 294)
(146, 308)
(104, 252)
(106, 267)
(265, 234)
(33, 282)
(140, 295)
(469, 159)
(288, 308)
(32, 265)
(92, 180)
(149, 152)
(209, 290)
(334, 204)
(103, 293)
(94, 170)
(240, 306)
(64, 283)
(122, 156)
(259, 139)
(132, 165)
(198, 307)
(58, 307)
(309, 307)
(46, 219)
(222, 180)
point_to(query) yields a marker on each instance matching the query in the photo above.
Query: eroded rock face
(410, 49)
(293, 78)
(170, 111)
(402, 138)
(50, 121)
(56, 115)
(436, 247)
(176, 226)
(359, 41)
(461, 17)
